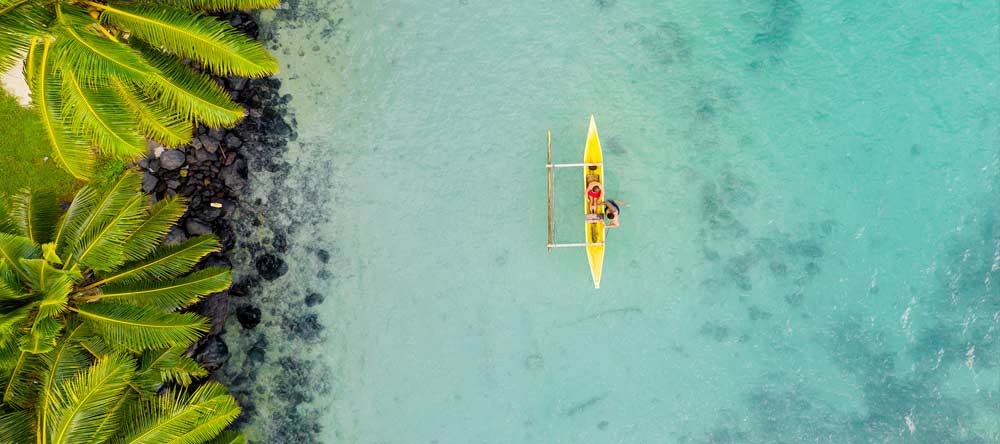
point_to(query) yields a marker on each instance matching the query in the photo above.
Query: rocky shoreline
(213, 172)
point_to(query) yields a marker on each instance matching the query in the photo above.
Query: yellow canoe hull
(594, 230)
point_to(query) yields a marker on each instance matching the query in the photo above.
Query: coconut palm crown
(92, 333)
(107, 74)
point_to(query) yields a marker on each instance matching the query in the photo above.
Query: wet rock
(233, 141)
(244, 287)
(216, 308)
(209, 143)
(235, 175)
(249, 316)
(212, 354)
(195, 227)
(149, 182)
(314, 299)
(271, 267)
(175, 236)
(172, 159)
(173, 184)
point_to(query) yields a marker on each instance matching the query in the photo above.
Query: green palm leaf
(96, 112)
(42, 336)
(121, 195)
(76, 215)
(69, 152)
(179, 419)
(214, 44)
(220, 5)
(7, 224)
(167, 262)
(160, 123)
(194, 95)
(84, 401)
(158, 221)
(34, 212)
(228, 437)
(101, 249)
(166, 365)
(14, 248)
(62, 363)
(19, 381)
(15, 427)
(170, 295)
(142, 328)
(94, 58)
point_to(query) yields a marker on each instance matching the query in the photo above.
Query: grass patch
(23, 153)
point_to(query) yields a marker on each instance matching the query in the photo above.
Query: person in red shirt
(594, 193)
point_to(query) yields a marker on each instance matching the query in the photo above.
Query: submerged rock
(271, 267)
(249, 316)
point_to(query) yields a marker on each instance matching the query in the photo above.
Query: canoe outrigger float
(593, 171)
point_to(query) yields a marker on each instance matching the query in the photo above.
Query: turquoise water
(810, 251)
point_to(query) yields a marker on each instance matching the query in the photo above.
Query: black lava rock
(171, 159)
(212, 354)
(249, 316)
(196, 227)
(271, 267)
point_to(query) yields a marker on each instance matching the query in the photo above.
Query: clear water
(810, 251)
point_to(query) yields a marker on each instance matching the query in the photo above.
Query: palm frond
(34, 211)
(15, 427)
(97, 113)
(19, 380)
(106, 207)
(79, 408)
(171, 295)
(101, 249)
(229, 437)
(42, 336)
(109, 426)
(180, 419)
(167, 262)
(142, 328)
(95, 345)
(65, 361)
(145, 238)
(160, 123)
(47, 280)
(216, 45)
(94, 58)
(14, 248)
(194, 95)
(227, 5)
(69, 152)
(73, 219)
(7, 224)
(166, 365)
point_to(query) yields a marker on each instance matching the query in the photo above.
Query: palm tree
(106, 74)
(92, 337)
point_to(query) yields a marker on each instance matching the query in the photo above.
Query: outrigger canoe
(593, 171)
(594, 230)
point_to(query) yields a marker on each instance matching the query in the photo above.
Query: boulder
(249, 316)
(271, 267)
(171, 159)
(212, 353)
(195, 227)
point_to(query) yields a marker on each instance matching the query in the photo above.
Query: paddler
(611, 213)
(594, 193)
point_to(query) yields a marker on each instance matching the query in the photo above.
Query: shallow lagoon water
(810, 252)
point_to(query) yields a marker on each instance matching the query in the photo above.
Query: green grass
(23, 152)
